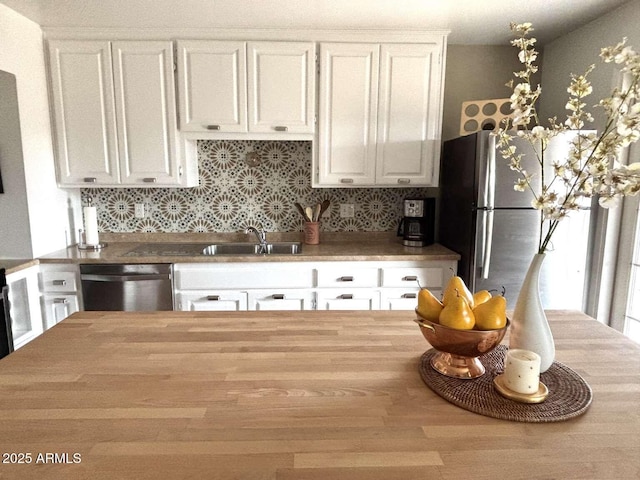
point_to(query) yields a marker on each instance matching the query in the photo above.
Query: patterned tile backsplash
(233, 195)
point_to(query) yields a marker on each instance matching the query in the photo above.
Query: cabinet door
(145, 110)
(58, 307)
(84, 112)
(217, 301)
(213, 86)
(281, 86)
(399, 299)
(348, 112)
(409, 125)
(24, 303)
(356, 299)
(280, 300)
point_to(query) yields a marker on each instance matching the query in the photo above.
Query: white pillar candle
(522, 371)
(91, 226)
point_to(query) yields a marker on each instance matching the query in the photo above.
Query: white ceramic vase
(529, 326)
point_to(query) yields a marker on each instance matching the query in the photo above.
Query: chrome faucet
(261, 235)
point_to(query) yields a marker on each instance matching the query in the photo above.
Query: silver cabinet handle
(213, 298)
(346, 279)
(409, 278)
(346, 296)
(278, 296)
(149, 180)
(59, 283)
(346, 180)
(409, 295)
(60, 300)
(281, 128)
(404, 181)
(90, 179)
(213, 127)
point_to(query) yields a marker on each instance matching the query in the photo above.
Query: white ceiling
(483, 22)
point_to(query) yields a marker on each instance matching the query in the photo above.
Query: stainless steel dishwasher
(131, 287)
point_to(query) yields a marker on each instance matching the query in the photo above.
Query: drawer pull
(346, 296)
(60, 300)
(409, 295)
(149, 180)
(346, 279)
(346, 180)
(213, 298)
(213, 127)
(410, 278)
(281, 128)
(404, 181)
(278, 296)
(90, 179)
(59, 283)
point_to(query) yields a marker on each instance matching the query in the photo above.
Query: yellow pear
(481, 296)
(455, 288)
(429, 306)
(457, 314)
(491, 314)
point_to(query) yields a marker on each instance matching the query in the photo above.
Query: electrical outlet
(139, 210)
(347, 210)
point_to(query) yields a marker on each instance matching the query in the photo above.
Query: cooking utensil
(316, 212)
(309, 213)
(323, 207)
(302, 211)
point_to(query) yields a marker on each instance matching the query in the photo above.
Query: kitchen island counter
(292, 395)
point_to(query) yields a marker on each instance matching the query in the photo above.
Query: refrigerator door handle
(487, 241)
(490, 180)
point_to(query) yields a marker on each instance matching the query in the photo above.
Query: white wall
(574, 52)
(46, 212)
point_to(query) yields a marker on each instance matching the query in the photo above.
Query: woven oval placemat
(569, 395)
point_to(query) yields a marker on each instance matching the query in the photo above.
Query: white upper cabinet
(145, 112)
(84, 112)
(348, 110)
(380, 115)
(246, 87)
(115, 115)
(213, 86)
(281, 87)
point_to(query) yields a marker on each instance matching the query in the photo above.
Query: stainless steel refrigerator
(495, 229)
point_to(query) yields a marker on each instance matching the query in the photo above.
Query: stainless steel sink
(275, 248)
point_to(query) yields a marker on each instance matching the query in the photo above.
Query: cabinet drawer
(211, 301)
(59, 282)
(347, 276)
(244, 276)
(348, 299)
(410, 277)
(58, 307)
(280, 299)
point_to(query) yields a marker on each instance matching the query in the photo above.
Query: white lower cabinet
(24, 306)
(348, 299)
(212, 301)
(291, 299)
(364, 285)
(60, 289)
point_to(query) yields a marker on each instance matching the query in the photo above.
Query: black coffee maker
(417, 226)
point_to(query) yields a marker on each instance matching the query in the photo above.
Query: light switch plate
(347, 210)
(139, 210)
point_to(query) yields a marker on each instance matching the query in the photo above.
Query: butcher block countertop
(284, 395)
(344, 246)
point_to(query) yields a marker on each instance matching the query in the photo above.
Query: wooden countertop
(344, 246)
(304, 395)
